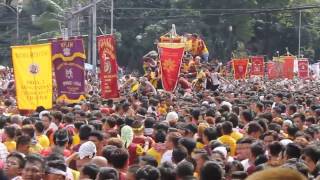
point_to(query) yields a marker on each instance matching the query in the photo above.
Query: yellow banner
(33, 76)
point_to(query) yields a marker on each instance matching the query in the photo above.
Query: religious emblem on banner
(69, 73)
(34, 68)
(66, 51)
(68, 60)
(108, 66)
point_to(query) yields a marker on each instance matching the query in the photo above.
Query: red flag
(288, 66)
(303, 68)
(170, 61)
(108, 66)
(240, 67)
(272, 70)
(257, 66)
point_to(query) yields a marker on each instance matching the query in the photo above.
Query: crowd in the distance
(210, 128)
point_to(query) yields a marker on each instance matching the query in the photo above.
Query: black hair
(226, 127)
(61, 137)
(78, 124)
(23, 140)
(179, 153)
(301, 116)
(275, 148)
(39, 127)
(97, 134)
(234, 166)
(112, 122)
(167, 171)
(245, 140)
(57, 115)
(184, 169)
(149, 122)
(160, 137)
(263, 123)
(48, 116)
(21, 159)
(195, 113)
(148, 173)
(254, 127)
(313, 152)
(247, 115)
(257, 149)
(10, 131)
(293, 108)
(68, 118)
(3, 121)
(162, 126)
(150, 160)
(119, 158)
(34, 158)
(107, 151)
(292, 130)
(293, 150)
(90, 170)
(274, 135)
(210, 133)
(274, 127)
(211, 170)
(108, 173)
(189, 144)
(84, 132)
(233, 118)
(260, 106)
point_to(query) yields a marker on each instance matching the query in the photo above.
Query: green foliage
(226, 33)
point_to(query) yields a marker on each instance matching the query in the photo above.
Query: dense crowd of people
(210, 128)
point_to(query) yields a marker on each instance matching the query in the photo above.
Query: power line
(221, 10)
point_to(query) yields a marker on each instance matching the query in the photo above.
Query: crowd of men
(210, 128)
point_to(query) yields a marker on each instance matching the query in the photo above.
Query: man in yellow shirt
(10, 134)
(226, 138)
(42, 139)
(158, 147)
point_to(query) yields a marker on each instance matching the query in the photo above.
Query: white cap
(42, 113)
(227, 104)
(172, 116)
(78, 107)
(221, 149)
(287, 122)
(87, 149)
(285, 142)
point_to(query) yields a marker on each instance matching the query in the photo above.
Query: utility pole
(112, 11)
(94, 34)
(299, 45)
(19, 9)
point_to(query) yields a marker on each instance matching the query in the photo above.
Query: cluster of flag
(60, 65)
(280, 68)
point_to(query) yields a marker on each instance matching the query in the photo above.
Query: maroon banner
(240, 67)
(303, 68)
(170, 62)
(257, 66)
(108, 67)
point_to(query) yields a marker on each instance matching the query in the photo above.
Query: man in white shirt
(171, 142)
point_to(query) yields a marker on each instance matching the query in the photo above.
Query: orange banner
(303, 68)
(272, 70)
(240, 67)
(257, 66)
(170, 62)
(288, 67)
